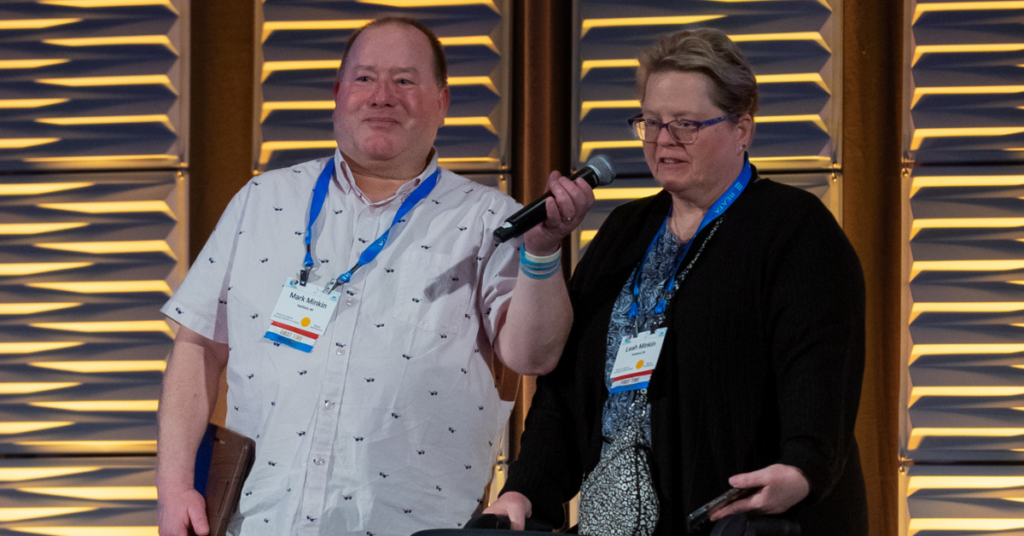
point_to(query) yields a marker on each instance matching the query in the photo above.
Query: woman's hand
(513, 504)
(782, 486)
(570, 201)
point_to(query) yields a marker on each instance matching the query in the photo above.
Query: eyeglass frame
(632, 121)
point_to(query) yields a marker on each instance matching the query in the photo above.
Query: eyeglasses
(681, 130)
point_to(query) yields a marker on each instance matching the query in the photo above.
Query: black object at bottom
(743, 525)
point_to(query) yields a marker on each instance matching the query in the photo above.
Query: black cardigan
(762, 363)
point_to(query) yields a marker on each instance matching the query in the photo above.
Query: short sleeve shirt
(389, 425)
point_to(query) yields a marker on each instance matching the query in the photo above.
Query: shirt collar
(346, 183)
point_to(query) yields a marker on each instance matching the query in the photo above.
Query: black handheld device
(701, 515)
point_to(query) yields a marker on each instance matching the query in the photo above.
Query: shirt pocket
(434, 291)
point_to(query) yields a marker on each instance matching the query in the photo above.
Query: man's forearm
(536, 325)
(189, 393)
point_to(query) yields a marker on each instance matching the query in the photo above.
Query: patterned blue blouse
(657, 269)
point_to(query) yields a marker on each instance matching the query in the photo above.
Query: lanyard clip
(304, 277)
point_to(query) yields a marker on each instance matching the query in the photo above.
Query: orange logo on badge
(305, 322)
(639, 364)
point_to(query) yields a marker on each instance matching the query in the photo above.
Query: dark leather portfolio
(222, 463)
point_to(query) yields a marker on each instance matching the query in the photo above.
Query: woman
(753, 302)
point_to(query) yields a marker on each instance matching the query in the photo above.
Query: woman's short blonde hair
(712, 53)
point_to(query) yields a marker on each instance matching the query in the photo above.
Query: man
(386, 425)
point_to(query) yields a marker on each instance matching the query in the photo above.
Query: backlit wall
(93, 230)
(962, 428)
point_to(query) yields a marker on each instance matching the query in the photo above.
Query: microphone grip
(529, 216)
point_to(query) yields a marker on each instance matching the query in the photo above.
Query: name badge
(301, 315)
(636, 360)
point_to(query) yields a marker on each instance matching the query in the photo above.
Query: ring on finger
(567, 220)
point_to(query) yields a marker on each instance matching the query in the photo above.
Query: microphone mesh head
(603, 169)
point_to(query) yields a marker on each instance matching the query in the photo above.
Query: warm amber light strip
(33, 308)
(974, 390)
(972, 524)
(791, 78)
(964, 180)
(921, 133)
(298, 65)
(106, 248)
(273, 106)
(97, 367)
(815, 158)
(29, 103)
(119, 40)
(21, 474)
(644, 21)
(99, 493)
(100, 405)
(606, 194)
(587, 65)
(270, 27)
(269, 147)
(34, 347)
(467, 159)
(965, 266)
(34, 24)
(106, 287)
(469, 41)
(587, 106)
(918, 434)
(100, 81)
(90, 531)
(430, 3)
(21, 514)
(36, 189)
(919, 350)
(29, 64)
(109, 120)
(37, 228)
(482, 121)
(24, 427)
(22, 388)
(134, 157)
(473, 81)
(963, 307)
(108, 3)
(23, 143)
(134, 326)
(968, 90)
(921, 8)
(586, 237)
(111, 207)
(588, 147)
(812, 118)
(103, 446)
(921, 50)
(783, 36)
(964, 482)
(30, 268)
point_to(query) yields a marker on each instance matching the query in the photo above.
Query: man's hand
(513, 504)
(782, 486)
(177, 512)
(570, 201)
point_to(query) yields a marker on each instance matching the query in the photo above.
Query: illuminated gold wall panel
(965, 369)
(86, 260)
(302, 43)
(90, 84)
(78, 496)
(963, 500)
(965, 89)
(963, 374)
(792, 46)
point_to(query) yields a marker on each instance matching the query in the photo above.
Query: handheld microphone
(598, 171)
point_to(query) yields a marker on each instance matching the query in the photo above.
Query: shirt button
(328, 404)
(349, 301)
(318, 461)
(340, 351)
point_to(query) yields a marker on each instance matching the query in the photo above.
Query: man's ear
(337, 85)
(445, 101)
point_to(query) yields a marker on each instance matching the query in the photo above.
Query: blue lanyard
(371, 252)
(717, 209)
